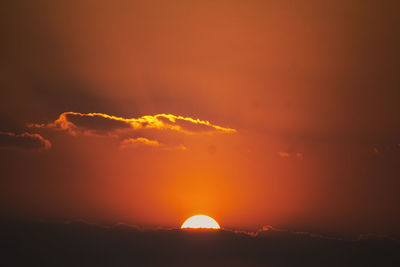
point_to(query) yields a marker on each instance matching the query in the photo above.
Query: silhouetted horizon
(83, 244)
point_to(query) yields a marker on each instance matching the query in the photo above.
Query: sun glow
(200, 221)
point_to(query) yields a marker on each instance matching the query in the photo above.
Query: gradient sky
(281, 113)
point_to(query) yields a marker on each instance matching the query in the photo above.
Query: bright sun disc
(200, 221)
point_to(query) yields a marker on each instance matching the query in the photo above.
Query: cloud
(298, 155)
(140, 141)
(133, 132)
(144, 142)
(376, 151)
(283, 154)
(91, 123)
(25, 141)
(268, 230)
(99, 123)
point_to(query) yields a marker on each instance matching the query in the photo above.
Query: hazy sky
(297, 105)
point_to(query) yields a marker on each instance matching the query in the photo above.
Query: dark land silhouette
(83, 244)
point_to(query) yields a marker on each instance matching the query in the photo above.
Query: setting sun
(200, 221)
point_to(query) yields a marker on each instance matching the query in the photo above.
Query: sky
(255, 113)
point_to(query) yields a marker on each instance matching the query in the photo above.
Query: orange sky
(297, 106)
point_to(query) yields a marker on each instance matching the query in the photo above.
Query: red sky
(297, 104)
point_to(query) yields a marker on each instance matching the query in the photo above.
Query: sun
(200, 221)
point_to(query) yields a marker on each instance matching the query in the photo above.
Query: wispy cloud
(298, 155)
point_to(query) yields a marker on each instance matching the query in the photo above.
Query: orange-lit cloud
(144, 142)
(298, 155)
(25, 140)
(140, 141)
(376, 151)
(99, 123)
(283, 154)
(132, 130)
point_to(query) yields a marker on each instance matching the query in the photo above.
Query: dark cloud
(83, 244)
(26, 141)
(96, 123)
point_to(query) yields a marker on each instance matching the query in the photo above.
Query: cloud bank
(132, 131)
(83, 244)
(99, 123)
(26, 141)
